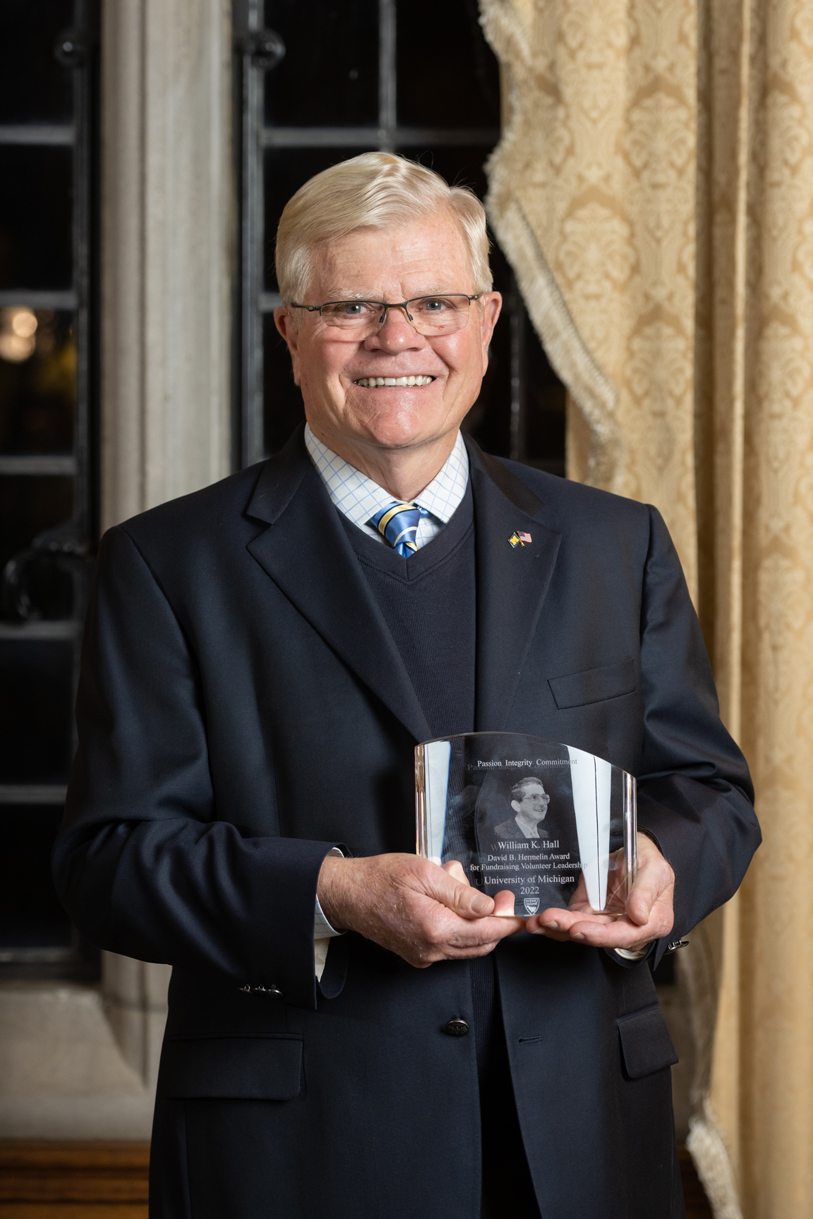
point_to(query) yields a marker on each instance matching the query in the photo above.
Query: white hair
(377, 190)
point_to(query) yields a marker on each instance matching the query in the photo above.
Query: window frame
(82, 135)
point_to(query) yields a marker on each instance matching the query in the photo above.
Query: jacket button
(456, 1028)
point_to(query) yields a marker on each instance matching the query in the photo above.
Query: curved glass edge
(630, 828)
(430, 836)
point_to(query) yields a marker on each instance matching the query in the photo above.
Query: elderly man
(354, 1031)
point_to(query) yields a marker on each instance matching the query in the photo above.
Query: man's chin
(398, 434)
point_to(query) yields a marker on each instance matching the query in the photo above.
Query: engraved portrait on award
(553, 824)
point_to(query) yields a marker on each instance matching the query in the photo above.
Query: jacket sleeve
(142, 863)
(695, 796)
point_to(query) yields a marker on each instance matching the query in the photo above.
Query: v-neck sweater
(428, 602)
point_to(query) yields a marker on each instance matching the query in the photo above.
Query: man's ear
(515, 806)
(490, 306)
(284, 322)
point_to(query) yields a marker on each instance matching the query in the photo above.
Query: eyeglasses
(430, 315)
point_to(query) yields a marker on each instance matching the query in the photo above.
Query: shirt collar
(359, 498)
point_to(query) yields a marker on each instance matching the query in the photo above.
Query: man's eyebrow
(344, 294)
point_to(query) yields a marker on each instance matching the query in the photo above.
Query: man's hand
(648, 914)
(415, 908)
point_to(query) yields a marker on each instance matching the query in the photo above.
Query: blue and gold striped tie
(398, 524)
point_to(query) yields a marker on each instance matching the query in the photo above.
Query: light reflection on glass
(18, 326)
(37, 380)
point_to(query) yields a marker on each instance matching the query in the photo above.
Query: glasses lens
(351, 315)
(439, 314)
(428, 314)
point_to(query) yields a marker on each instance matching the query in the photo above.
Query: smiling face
(534, 803)
(353, 415)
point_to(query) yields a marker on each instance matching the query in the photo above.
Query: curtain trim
(589, 385)
(506, 31)
(711, 1159)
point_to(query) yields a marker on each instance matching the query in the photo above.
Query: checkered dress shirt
(359, 498)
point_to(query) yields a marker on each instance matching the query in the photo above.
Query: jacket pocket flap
(593, 685)
(645, 1042)
(248, 1068)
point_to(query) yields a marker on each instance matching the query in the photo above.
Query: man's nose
(396, 333)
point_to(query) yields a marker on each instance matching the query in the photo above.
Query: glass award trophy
(553, 824)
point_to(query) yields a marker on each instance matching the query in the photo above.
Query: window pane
(35, 711)
(37, 380)
(460, 166)
(447, 74)
(34, 87)
(282, 401)
(536, 435)
(36, 206)
(329, 76)
(30, 913)
(286, 169)
(543, 408)
(29, 505)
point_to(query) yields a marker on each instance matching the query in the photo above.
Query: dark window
(324, 81)
(30, 90)
(47, 73)
(329, 75)
(36, 206)
(450, 78)
(33, 925)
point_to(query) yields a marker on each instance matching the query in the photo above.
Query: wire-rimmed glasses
(430, 315)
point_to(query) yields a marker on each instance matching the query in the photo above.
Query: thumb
(459, 896)
(641, 900)
(471, 903)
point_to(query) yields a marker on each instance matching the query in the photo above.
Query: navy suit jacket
(242, 709)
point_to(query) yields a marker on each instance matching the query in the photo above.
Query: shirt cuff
(322, 929)
(632, 954)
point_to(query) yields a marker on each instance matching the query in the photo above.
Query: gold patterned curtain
(653, 191)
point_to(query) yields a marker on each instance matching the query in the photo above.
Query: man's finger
(651, 888)
(654, 884)
(557, 920)
(503, 901)
(458, 895)
(477, 936)
(639, 905)
(504, 904)
(650, 883)
(455, 868)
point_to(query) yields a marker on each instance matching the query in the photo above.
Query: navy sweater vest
(428, 603)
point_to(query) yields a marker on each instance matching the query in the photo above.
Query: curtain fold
(653, 192)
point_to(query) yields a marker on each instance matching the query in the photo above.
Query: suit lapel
(511, 582)
(307, 554)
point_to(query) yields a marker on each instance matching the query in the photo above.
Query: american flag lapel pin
(519, 539)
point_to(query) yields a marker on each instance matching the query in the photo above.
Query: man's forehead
(430, 255)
